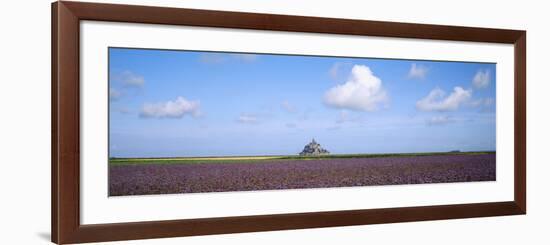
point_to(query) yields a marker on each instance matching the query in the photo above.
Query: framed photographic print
(177, 122)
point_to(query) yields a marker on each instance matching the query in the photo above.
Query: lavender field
(270, 174)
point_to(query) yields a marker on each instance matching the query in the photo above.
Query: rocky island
(313, 149)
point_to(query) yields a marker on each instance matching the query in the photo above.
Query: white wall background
(25, 121)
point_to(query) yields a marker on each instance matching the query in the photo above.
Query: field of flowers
(143, 179)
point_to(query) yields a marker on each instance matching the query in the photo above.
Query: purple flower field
(145, 179)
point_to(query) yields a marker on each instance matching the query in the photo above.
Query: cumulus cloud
(288, 107)
(129, 79)
(362, 92)
(247, 119)
(439, 120)
(171, 109)
(481, 79)
(417, 71)
(114, 94)
(122, 83)
(437, 100)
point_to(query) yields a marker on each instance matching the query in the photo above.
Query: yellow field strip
(199, 158)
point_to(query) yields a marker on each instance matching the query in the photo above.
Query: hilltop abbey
(313, 149)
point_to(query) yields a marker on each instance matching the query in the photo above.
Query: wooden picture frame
(65, 174)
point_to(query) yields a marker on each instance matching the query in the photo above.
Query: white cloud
(171, 109)
(121, 84)
(114, 94)
(362, 92)
(129, 79)
(288, 107)
(439, 120)
(481, 79)
(247, 119)
(436, 100)
(417, 71)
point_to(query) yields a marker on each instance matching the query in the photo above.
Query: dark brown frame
(65, 175)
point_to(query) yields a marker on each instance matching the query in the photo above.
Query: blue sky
(184, 103)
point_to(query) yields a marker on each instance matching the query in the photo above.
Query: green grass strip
(259, 159)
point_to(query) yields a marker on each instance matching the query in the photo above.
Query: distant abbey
(313, 149)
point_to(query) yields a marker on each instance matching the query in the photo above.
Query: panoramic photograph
(201, 121)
